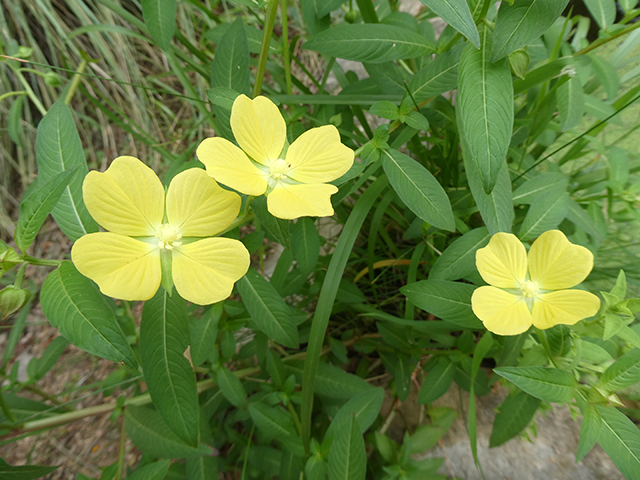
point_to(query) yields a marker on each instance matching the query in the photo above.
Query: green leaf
(439, 76)
(231, 387)
(253, 35)
(269, 312)
(164, 336)
(520, 23)
(459, 258)
(515, 414)
(373, 43)
(58, 148)
(273, 422)
(291, 465)
(313, 23)
(36, 207)
(385, 109)
(416, 120)
(589, 431)
(200, 468)
(153, 437)
(325, 7)
(604, 12)
(547, 384)
(348, 457)
(277, 229)
(72, 303)
(624, 373)
(365, 406)
(450, 301)
(438, 380)
(457, 14)
(495, 208)
(484, 110)
(151, 471)
(545, 214)
(160, 18)
(535, 187)
(305, 242)
(230, 66)
(570, 103)
(607, 75)
(23, 472)
(13, 121)
(628, 5)
(38, 367)
(204, 333)
(620, 438)
(418, 189)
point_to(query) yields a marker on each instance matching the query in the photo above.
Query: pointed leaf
(438, 380)
(305, 242)
(160, 18)
(439, 76)
(231, 387)
(624, 373)
(532, 189)
(151, 471)
(589, 431)
(515, 414)
(23, 472)
(604, 12)
(348, 457)
(204, 333)
(547, 384)
(273, 422)
(457, 14)
(620, 438)
(570, 103)
(459, 258)
(544, 214)
(365, 406)
(230, 67)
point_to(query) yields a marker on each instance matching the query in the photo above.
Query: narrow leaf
(624, 373)
(23, 472)
(231, 387)
(305, 242)
(459, 258)
(439, 76)
(438, 380)
(604, 12)
(535, 187)
(589, 431)
(160, 18)
(545, 214)
(547, 384)
(365, 406)
(203, 333)
(570, 103)
(457, 14)
(620, 438)
(348, 458)
(230, 66)
(515, 414)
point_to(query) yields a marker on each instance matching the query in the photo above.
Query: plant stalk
(270, 19)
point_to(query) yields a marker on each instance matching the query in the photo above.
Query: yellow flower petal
(258, 127)
(564, 306)
(555, 263)
(293, 201)
(123, 267)
(204, 271)
(230, 166)
(318, 156)
(501, 312)
(128, 198)
(503, 263)
(197, 206)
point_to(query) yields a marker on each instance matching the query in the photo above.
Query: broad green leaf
(604, 11)
(624, 373)
(418, 189)
(72, 303)
(365, 406)
(515, 414)
(164, 336)
(151, 471)
(450, 301)
(589, 431)
(495, 208)
(277, 229)
(153, 437)
(459, 258)
(520, 23)
(24, 472)
(457, 14)
(620, 438)
(13, 121)
(269, 312)
(305, 242)
(38, 367)
(58, 148)
(36, 207)
(230, 66)
(439, 76)
(204, 333)
(570, 103)
(530, 191)
(272, 422)
(544, 214)
(348, 457)
(484, 110)
(547, 384)
(437, 381)
(160, 18)
(373, 43)
(231, 387)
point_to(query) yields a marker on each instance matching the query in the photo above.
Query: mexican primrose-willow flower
(532, 289)
(129, 201)
(296, 184)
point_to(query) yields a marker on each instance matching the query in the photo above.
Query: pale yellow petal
(564, 306)
(501, 312)
(230, 166)
(205, 271)
(258, 127)
(197, 206)
(123, 267)
(503, 263)
(318, 156)
(128, 198)
(293, 201)
(556, 263)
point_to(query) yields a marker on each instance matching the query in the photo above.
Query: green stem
(246, 457)
(285, 46)
(368, 11)
(77, 78)
(42, 262)
(11, 94)
(264, 49)
(20, 276)
(32, 96)
(6, 410)
(483, 13)
(296, 419)
(545, 343)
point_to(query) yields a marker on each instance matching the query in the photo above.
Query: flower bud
(12, 299)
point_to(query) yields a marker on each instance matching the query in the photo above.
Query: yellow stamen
(168, 237)
(529, 289)
(279, 169)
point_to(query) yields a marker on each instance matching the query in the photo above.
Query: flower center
(279, 168)
(529, 289)
(167, 237)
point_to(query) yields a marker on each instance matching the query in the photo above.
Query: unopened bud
(12, 299)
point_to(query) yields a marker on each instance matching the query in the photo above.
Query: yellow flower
(128, 200)
(295, 183)
(532, 290)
